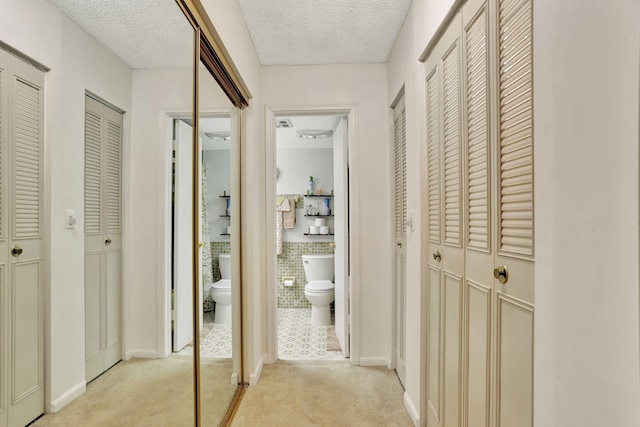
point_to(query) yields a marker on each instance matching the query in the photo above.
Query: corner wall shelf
(309, 234)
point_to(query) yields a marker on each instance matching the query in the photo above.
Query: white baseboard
(68, 396)
(375, 361)
(411, 409)
(255, 376)
(142, 354)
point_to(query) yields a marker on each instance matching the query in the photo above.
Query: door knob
(399, 244)
(107, 242)
(16, 251)
(501, 273)
(437, 256)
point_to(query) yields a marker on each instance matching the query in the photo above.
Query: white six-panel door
(21, 251)
(103, 242)
(480, 344)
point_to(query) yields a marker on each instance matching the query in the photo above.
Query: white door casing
(103, 237)
(341, 233)
(400, 249)
(21, 234)
(182, 237)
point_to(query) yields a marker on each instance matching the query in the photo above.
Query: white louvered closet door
(446, 232)
(499, 176)
(479, 280)
(103, 242)
(514, 205)
(400, 181)
(21, 249)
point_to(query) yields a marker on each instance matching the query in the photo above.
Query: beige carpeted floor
(323, 393)
(149, 392)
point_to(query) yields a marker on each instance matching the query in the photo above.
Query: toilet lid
(222, 284)
(319, 285)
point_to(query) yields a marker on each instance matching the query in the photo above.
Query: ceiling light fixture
(315, 134)
(225, 136)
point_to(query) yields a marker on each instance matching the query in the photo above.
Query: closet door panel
(478, 374)
(113, 297)
(452, 348)
(434, 389)
(514, 363)
(93, 271)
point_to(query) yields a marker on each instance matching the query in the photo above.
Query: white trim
(141, 354)
(254, 378)
(67, 397)
(376, 361)
(411, 409)
(270, 190)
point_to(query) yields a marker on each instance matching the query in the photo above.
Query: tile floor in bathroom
(298, 339)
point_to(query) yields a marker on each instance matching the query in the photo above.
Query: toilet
(221, 290)
(319, 289)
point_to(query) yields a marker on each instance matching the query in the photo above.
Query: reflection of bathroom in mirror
(141, 67)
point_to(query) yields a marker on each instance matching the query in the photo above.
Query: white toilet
(221, 290)
(319, 289)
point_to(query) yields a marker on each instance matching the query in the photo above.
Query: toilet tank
(225, 265)
(318, 267)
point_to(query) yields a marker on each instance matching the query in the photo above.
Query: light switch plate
(70, 219)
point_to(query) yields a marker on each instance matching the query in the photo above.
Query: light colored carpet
(149, 392)
(323, 393)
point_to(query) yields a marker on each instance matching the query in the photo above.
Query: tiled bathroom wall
(290, 265)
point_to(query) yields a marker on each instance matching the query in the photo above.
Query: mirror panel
(218, 138)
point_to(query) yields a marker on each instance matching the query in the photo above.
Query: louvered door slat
(452, 179)
(92, 175)
(403, 154)
(2, 151)
(516, 128)
(477, 134)
(27, 161)
(433, 156)
(398, 176)
(113, 178)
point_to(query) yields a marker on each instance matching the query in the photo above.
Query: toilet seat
(222, 285)
(319, 286)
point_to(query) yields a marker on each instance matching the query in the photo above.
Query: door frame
(271, 112)
(163, 320)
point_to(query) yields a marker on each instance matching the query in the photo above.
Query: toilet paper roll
(228, 229)
(314, 230)
(324, 229)
(321, 222)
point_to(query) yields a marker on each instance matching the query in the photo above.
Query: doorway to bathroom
(310, 271)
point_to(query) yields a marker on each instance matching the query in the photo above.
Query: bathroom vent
(283, 123)
(314, 134)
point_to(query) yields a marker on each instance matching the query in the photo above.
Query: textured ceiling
(143, 33)
(301, 32)
(155, 34)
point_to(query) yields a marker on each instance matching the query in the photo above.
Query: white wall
(586, 80)
(351, 85)
(218, 162)
(295, 166)
(77, 63)
(147, 204)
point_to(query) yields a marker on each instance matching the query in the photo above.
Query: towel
(282, 207)
(289, 215)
